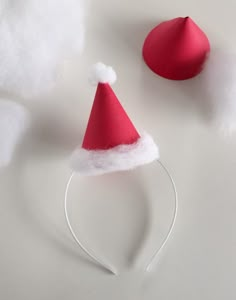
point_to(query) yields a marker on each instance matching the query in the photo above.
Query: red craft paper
(176, 49)
(108, 124)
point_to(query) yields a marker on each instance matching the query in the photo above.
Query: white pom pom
(101, 73)
(219, 80)
(14, 120)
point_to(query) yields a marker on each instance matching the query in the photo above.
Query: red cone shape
(176, 49)
(108, 125)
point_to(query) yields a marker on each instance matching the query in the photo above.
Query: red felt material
(176, 49)
(108, 124)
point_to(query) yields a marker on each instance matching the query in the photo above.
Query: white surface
(124, 224)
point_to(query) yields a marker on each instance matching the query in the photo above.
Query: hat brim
(120, 158)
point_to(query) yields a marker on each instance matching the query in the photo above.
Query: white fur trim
(219, 81)
(14, 120)
(101, 73)
(36, 37)
(123, 157)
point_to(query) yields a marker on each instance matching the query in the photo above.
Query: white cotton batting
(36, 36)
(219, 82)
(14, 120)
(122, 157)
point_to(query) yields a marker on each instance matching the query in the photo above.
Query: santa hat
(111, 142)
(176, 49)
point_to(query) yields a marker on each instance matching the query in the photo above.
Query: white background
(124, 216)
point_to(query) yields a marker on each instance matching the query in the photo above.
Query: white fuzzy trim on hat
(101, 73)
(120, 158)
(14, 120)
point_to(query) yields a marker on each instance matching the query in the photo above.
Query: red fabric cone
(108, 124)
(176, 49)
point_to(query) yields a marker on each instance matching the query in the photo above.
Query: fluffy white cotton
(101, 73)
(14, 120)
(219, 82)
(123, 157)
(36, 36)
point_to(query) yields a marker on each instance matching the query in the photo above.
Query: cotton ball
(14, 120)
(36, 36)
(219, 81)
(101, 73)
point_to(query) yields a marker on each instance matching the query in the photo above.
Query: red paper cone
(108, 124)
(176, 49)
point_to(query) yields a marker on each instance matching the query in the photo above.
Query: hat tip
(186, 20)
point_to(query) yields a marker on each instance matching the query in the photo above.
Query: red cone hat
(176, 49)
(108, 125)
(111, 142)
